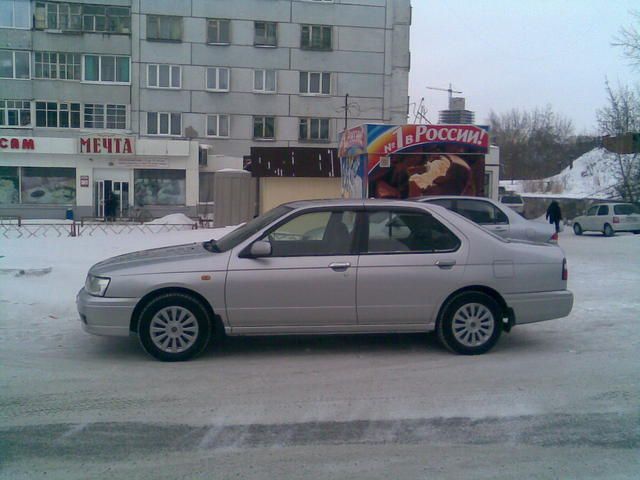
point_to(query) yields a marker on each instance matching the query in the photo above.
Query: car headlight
(96, 286)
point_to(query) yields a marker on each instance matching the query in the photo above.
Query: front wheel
(577, 229)
(471, 324)
(608, 231)
(174, 327)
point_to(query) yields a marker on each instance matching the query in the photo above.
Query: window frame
(105, 115)
(101, 69)
(308, 38)
(170, 117)
(4, 110)
(217, 76)
(171, 67)
(68, 65)
(158, 19)
(321, 83)
(14, 64)
(264, 127)
(263, 43)
(309, 127)
(13, 4)
(264, 81)
(217, 117)
(219, 21)
(59, 114)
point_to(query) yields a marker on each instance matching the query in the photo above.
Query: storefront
(97, 176)
(403, 161)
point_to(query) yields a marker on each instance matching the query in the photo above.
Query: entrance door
(111, 198)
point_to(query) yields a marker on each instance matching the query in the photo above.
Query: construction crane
(450, 90)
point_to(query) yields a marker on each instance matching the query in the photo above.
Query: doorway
(111, 193)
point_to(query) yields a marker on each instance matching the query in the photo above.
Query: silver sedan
(376, 266)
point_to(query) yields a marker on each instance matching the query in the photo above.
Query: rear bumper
(626, 226)
(540, 306)
(103, 315)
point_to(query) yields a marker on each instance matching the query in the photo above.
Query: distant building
(457, 114)
(189, 86)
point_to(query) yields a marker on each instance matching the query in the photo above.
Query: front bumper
(540, 306)
(104, 315)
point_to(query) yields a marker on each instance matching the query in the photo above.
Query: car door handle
(445, 263)
(500, 229)
(338, 266)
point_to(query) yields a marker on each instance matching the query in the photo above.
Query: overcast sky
(505, 54)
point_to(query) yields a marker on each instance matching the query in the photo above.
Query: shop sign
(107, 145)
(84, 180)
(406, 136)
(17, 143)
(143, 162)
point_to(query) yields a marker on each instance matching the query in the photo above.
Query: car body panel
(599, 215)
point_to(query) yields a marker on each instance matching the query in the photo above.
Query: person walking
(554, 214)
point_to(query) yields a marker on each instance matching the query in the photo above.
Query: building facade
(158, 95)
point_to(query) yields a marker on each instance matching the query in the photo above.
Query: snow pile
(593, 176)
(173, 219)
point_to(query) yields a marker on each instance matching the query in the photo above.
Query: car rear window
(625, 209)
(511, 199)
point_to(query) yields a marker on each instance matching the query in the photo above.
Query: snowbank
(173, 219)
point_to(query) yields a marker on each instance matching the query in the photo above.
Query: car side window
(314, 233)
(604, 210)
(443, 202)
(480, 212)
(402, 231)
(592, 210)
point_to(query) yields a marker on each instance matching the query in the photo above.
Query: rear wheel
(471, 324)
(174, 327)
(608, 231)
(577, 229)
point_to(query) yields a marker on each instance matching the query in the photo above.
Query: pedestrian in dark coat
(554, 214)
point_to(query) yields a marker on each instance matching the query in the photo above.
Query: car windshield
(240, 234)
(511, 199)
(625, 209)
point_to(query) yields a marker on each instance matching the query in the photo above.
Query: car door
(308, 281)
(409, 263)
(485, 214)
(590, 219)
(602, 217)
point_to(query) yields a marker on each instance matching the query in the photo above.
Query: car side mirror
(260, 249)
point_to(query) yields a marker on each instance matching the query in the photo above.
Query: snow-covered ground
(593, 175)
(557, 399)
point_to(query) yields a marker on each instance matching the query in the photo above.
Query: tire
(174, 327)
(636, 232)
(475, 334)
(577, 229)
(608, 231)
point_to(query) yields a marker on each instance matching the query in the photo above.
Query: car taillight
(616, 219)
(554, 238)
(565, 270)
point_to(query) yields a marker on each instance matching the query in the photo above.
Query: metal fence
(18, 228)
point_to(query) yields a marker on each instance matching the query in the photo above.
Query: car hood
(178, 258)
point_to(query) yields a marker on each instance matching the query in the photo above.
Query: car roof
(342, 202)
(426, 198)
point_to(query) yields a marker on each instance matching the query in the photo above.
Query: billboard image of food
(404, 161)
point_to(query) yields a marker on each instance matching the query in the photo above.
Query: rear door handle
(339, 266)
(445, 263)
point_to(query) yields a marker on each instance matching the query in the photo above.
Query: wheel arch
(474, 288)
(216, 321)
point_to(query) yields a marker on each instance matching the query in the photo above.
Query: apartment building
(143, 100)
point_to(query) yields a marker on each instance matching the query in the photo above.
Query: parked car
(380, 266)
(496, 217)
(608, 218)
(513, 201)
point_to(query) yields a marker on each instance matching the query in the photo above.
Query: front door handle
(445, 263)
(339, 266)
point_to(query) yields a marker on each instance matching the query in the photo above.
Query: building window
(15, 113)
(41, 185)
(266, 34)
(164, 76)
(10, 185)
(15, 14)
(218, 31)
(218, 79)
(164, 123)
(15, 64)
(105, 116)
(264, 127)
(163, 27)
(217, 125)
(57, 115)
(55, 65)
(58, 16)
(318, 83)
(99, 18)
(159, 187)
(316, 37)
(264, 81)
(314, 129)
(106, 69)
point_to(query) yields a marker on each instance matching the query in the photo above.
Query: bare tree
(628, 39)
